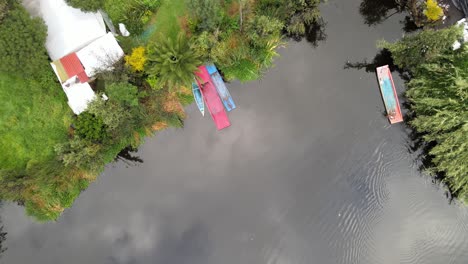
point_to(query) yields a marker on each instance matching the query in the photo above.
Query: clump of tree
(134, 13)
(438, 97)
(413, 50)
(22, 39)
(173, 62)
(298, 16)
(241, 36)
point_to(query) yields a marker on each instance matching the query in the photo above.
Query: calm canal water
(309, 172)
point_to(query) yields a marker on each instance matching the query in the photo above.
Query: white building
(78, 45)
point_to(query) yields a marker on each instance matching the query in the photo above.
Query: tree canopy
(298, 15)
(22, 39)
(438, 97)
(173, 62)
(413, 50)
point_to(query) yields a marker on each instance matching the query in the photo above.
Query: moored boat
(213, 103)
(389, 94)
(221, 88)
(197, 94)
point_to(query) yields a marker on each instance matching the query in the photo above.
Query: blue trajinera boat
(389, 94)
(223, 92)
(198, 98)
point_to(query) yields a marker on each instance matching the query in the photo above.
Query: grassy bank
(34, 119)
(168, 18)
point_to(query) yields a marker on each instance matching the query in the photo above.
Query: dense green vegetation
(51, 155)
(173, 62)
(34, 118)
(4, 6)
(21, 43)
(87, 5)
(438, 97)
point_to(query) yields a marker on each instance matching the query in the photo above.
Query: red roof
(72, 65)
(83, 77)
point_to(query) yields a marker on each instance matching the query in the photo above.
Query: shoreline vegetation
(436, 84)
(437, 94)
(50, 155)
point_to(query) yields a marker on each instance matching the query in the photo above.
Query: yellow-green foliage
(137, 59)
(433, 11)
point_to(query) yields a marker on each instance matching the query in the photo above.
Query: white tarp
(79, 95)
(123, 30)
(462, 22)
(100, 54)
(69, 29)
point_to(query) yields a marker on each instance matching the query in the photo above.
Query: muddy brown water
(309, 172)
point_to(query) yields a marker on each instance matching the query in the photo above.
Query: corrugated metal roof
(83, 77)
(72, 65)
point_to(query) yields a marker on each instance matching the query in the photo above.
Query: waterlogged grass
(33, 120)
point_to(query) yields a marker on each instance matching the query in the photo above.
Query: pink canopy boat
(212, 100)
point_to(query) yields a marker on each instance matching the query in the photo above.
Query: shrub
(154, 82)
(433, 11)
(90, 127)
(245, 70)
(207, 14)
(137, 59)
(80, 153)
(261, 29)
(297, 15)
(116, 118)
(204, 43)
(123, 93)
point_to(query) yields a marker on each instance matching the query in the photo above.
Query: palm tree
(173, 63)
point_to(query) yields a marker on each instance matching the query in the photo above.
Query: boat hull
(212, 100)
(197, 94)
(389, 94)
(221, 88)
